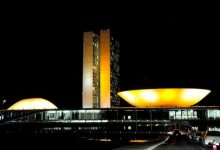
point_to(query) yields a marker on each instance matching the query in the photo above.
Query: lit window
(213, 114)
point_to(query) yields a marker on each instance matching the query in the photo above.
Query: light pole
(3, 102)
(150, 117)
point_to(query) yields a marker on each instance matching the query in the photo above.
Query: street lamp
(3, 102)
(150, 115)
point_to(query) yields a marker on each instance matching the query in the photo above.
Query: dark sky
(41, 50)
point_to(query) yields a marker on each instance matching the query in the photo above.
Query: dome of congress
(164, 97)
(32, 103)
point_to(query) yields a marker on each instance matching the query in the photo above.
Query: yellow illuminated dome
(166, 97)
(32, 103)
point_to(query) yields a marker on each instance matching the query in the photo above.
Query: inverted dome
(165, 97)
(32, 103)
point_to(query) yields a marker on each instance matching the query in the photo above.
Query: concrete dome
(32, 103)
(165, 97)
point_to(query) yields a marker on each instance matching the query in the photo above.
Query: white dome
(32, 103)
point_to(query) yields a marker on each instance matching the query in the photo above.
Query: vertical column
(87, 70)
(105, 69)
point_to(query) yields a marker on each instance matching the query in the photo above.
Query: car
(176, 132)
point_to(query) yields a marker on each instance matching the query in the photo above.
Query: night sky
(41, 50)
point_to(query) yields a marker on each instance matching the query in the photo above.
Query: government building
(100, 70)
(153, 112)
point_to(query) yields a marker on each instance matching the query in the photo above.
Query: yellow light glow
(105, 69)
(168, 94)
(129, 96)
(149, 95)
(105, 140)
(167, 97)
(32, 103)
(138, 141)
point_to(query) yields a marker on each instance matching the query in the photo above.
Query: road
(179, 143)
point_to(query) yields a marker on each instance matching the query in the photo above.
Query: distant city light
(4, 101)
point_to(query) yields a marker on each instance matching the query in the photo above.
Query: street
(176, 143)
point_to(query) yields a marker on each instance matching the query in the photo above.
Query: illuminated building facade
(32, 103)
(164, 97)
(100, 70)
(113, 123)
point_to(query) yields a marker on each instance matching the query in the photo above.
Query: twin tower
(100, 70)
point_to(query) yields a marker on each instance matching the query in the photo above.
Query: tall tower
(100, 70)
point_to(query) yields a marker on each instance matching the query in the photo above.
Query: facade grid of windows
(115, 74)
(96, 72)
(100, 70)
